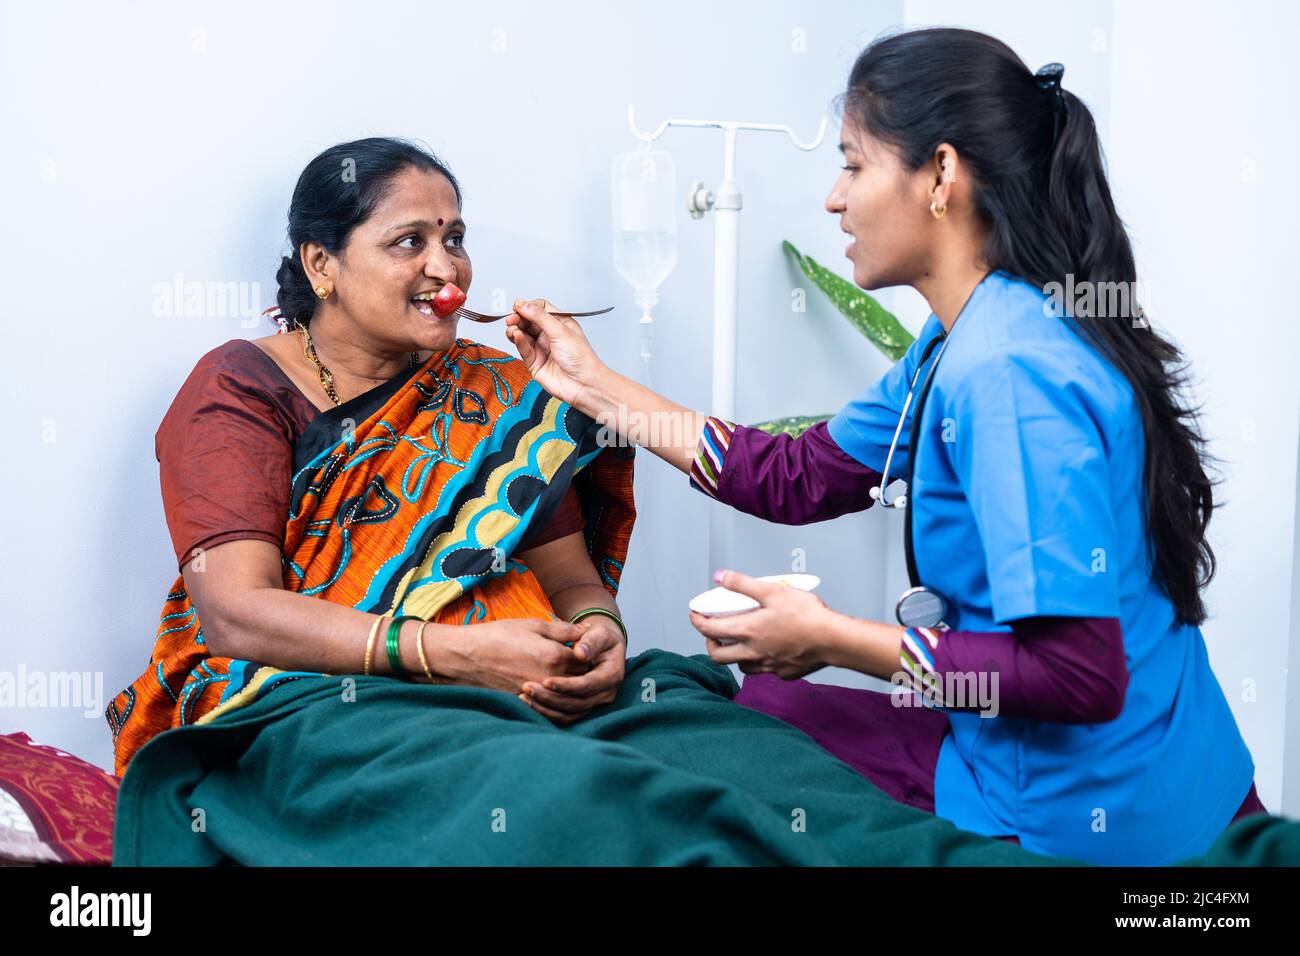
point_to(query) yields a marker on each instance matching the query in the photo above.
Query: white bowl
(721, 602)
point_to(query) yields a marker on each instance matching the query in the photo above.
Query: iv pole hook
(730, 127)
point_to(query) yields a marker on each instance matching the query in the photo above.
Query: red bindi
(440, 222)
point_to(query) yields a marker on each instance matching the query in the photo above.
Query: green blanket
(382, 772)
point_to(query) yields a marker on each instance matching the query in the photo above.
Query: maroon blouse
(225, 453)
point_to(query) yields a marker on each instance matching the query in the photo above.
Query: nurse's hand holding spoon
(560, 358)
(556, 351)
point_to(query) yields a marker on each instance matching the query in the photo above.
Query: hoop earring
(324, 293)
(936, 210)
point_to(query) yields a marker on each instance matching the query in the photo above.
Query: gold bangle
(370, 641)
(419, 646)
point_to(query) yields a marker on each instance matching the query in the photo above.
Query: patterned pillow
(54, 807)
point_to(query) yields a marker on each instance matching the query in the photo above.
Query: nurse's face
(885, 208)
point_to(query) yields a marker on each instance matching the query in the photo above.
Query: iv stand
(726, 204)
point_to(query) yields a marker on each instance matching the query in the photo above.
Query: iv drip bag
(645, 222)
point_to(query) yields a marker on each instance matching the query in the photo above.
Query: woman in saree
(385, 534)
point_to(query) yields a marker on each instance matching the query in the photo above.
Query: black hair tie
(1049, 80)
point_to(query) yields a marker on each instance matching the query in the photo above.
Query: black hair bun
(296, 298)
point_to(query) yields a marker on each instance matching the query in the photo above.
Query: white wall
(159, 139)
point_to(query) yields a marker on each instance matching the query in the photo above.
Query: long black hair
(1044, 199)
(337, 192)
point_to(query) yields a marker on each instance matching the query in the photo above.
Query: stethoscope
(919, 605)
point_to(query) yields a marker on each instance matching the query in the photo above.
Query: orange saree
(407, 500)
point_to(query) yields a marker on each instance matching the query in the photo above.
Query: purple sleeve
(780, 478)
(1067, 670)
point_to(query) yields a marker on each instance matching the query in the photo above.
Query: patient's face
(413, 242)
(884, 207)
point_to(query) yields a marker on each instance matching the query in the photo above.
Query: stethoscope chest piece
(922, 607)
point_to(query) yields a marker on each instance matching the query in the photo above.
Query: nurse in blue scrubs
(1058, 500)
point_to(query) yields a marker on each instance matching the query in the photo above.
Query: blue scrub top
(1028, 499)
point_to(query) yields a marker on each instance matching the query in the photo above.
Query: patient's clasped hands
(528, 657)
(567, 699)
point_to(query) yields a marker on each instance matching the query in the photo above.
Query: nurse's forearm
(1067, 670)
(1058, 669)
(790, 480)
(644, 417)
(869, 647)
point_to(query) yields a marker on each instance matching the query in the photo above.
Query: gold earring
(936, 210)
(324, 293)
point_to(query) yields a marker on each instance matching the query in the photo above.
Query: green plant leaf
(864, 313)
(793, 426)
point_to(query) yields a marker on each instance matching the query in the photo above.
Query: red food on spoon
(448, 300)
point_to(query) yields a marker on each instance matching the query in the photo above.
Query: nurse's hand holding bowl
(1058, 498)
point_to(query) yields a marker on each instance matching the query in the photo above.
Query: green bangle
(394, 654)
(588, 612)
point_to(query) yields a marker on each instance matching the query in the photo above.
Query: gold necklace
(322, 372)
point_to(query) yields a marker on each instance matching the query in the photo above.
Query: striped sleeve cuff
(711, 454)
(917, 657)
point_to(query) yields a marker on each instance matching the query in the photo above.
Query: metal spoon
(480, 317)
